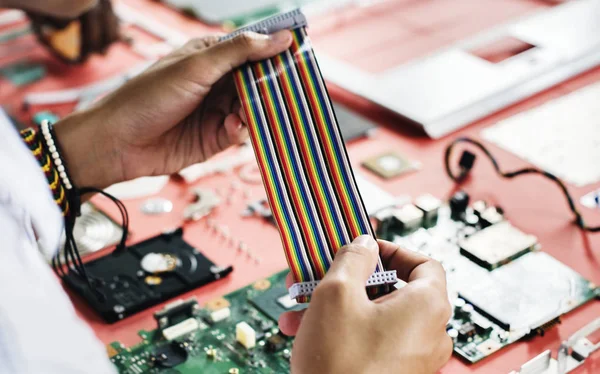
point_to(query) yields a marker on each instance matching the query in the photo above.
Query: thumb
(225, 56)
(354, 263)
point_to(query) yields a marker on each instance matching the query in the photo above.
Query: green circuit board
(212, 348)
(502, 286)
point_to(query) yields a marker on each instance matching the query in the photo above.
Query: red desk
(531, 203)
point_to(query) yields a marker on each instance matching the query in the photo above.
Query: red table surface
(533, 204)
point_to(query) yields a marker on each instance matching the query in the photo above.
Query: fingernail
(366, 241)
(280, 36)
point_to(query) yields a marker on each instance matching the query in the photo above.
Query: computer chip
(275, 301)
(390, 164)
(497, 245)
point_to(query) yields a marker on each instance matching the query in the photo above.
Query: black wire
(509, 175)
(73, 261)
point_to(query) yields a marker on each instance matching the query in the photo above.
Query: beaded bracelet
(55, 152)
(46, 151)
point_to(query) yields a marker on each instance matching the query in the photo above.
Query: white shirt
(40, 332)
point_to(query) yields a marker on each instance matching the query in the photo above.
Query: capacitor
(459, 203)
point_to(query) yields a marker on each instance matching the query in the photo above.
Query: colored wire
(302, 158)
(461, 176)
(274, 185)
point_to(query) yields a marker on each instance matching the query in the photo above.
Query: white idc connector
(376, 279)
(291, 20)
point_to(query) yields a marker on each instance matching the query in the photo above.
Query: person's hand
(71, 29)
(66, 9)
(342, 331)
(181, 111)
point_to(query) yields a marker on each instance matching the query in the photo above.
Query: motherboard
(230, 335)
(502, 286)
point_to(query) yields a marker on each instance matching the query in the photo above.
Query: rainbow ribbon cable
(302, 158)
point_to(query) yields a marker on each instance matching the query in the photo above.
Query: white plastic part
(245, 335)
(572, 353)
(286, 21)
(220, 315)
(180, 329)
(376, 279)
(287, 302)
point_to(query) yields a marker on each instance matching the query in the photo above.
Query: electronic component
(268, 302)
(245, 335)
(94, 230)
(497, 245)
(170, 355)
(220, 315)
(286, 98)
(459, 203)
(430, 206)
(482, 326)
(390, 164)
(276, 343)
(525, 293)
(180, 329)
(385, 278)
(591, 200)
(466, 331)
(572, 353)
(176, 312)
(491, 216)
(460, 177)
(408, 217)
(119, 288)
(521, 296)
(287, 302)
(502, 306)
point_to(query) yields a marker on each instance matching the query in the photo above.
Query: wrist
(90, 156)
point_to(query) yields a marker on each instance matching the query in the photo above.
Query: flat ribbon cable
(302, 158)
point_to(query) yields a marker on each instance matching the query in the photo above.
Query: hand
(66, 9)
(73, 30)
(181, 111)
(342, 331)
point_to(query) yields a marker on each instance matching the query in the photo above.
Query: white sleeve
(39, 329)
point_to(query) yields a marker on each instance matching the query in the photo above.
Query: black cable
(467, 161)
(73, 261)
